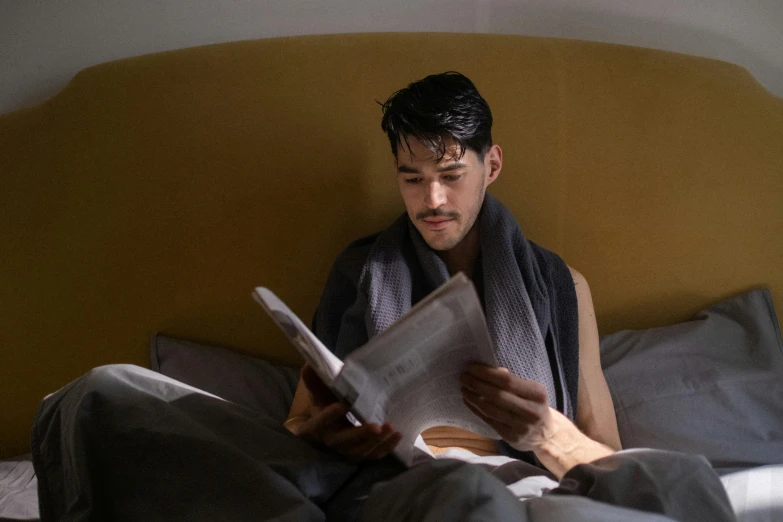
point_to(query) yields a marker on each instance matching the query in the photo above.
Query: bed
(145, 198)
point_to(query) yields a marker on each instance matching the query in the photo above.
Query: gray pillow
(712, 385)
(252, 382)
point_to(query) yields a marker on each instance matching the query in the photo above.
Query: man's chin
(439, 243)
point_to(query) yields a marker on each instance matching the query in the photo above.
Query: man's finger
(484, 379)
(505, 410)
(500, 427)
(483, 392)
(385, 447)
(365, 448)
(321, 421)
(343, 440)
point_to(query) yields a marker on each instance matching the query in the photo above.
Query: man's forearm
(568, 447)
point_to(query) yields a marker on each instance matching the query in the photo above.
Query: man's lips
(437, 223)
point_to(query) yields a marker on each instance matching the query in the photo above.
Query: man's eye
(452, 177)
(412, 180)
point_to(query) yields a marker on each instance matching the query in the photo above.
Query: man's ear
(493, 160)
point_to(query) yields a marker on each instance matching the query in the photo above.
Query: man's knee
(106, 377)
(72, 407)
(103, 383)
(100, 385)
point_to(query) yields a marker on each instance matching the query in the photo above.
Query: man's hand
(518, 409)
(327, 425)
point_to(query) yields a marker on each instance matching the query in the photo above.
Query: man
(439, 129)
(124, 443)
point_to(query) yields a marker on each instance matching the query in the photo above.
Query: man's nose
(435, 196)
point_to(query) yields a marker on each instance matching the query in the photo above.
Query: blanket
(125, 443)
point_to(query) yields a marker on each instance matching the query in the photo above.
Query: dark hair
(439, 107)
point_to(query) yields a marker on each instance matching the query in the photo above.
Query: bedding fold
(125, 443)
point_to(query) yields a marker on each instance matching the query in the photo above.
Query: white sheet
(756, 494)
(18, 489)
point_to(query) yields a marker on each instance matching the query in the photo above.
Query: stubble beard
(460, 235)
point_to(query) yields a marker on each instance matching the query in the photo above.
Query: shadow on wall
(501, 17)
(606, 26)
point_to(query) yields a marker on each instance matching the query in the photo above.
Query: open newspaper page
(319, 357)
(409, 374)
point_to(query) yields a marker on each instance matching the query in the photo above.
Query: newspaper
(408, 375)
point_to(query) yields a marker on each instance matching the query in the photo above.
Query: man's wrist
(568, 447)
(562, 436)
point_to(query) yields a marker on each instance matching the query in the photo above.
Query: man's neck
(462, 258)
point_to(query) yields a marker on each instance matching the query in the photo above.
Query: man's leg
(125, 443)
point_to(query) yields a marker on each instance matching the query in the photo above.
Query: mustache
(437, 213)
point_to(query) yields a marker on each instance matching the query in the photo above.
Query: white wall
(43, 43)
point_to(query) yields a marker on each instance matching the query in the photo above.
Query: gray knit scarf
(386, 287)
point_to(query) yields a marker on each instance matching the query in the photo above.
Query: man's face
(443, 198)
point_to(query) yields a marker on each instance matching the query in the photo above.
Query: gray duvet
(125, 443)
(756, 494)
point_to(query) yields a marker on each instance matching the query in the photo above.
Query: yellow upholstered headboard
(154, 193)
